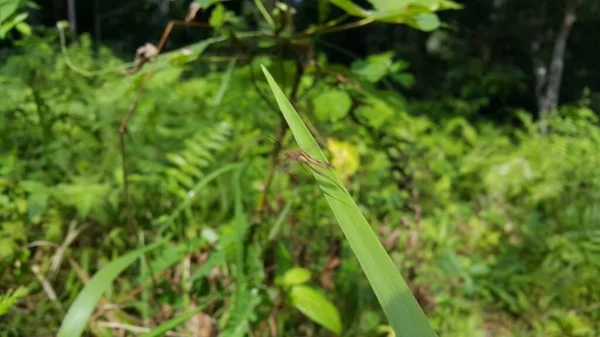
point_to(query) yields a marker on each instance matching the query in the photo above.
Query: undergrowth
(496, 229)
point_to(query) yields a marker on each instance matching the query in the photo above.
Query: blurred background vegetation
(469, 142)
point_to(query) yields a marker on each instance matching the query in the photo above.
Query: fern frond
(11, 298)
(201, 150)
(241, 314)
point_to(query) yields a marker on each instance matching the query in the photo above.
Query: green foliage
(400, 307)
(419, 14)
(11, 17)
(495, 227)
(76, 319)
(11, 298)
(316, 307)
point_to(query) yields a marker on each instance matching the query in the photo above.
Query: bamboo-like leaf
(400, 306)
(76, 319)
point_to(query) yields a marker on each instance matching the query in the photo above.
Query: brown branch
(132, 108)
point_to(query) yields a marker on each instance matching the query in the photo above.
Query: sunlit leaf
(295, 276)
(425, 22)
(345, 157)
(23, 28)
(332, 105)
(316, 307)
(7, 8)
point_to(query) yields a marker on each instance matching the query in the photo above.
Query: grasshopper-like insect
(302, 157)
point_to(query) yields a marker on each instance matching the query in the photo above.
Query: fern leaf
(241, 314)
(11, 298)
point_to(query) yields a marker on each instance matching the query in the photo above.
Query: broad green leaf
(295, 276)
(19, 18)
(8, 8)
(389, 5)
(375, 67)
(217, 17)
(425, 22)
(316, 307)
(345, 157)
(23, 28)
(8, 26)
(418, 14)
(405, 79)
(76, 319)
(400, 306)
(220, 16)
(332, 105)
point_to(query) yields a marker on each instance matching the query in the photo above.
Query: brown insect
(302, 157)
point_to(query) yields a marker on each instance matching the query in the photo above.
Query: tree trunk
(72, 14)
(548, 78)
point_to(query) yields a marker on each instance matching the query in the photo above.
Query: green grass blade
(172, 323)
(76, 319)
(400, 306)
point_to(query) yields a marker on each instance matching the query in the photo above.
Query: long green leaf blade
(400, 306)
(76, 319)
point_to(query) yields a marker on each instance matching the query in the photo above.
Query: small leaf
(345, 157)
(376, 113)
(23, 28)
(316, 307)
(388, 5)
(295, 276)
(7, 8)
(375, 67)
(332, 105)
(217, 17)
(220, 16)
(406, 80)
(426, 22)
